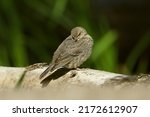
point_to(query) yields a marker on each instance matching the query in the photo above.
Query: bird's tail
(46, 71)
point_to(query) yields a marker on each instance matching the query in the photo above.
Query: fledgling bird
(72, 52)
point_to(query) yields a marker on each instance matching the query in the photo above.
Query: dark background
(31, 30)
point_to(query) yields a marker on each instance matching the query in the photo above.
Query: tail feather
(46, 72)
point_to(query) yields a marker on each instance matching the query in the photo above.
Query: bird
(72, 52)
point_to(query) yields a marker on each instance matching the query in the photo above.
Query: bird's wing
(65, 53)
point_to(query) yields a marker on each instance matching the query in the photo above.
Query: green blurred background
(31, 30)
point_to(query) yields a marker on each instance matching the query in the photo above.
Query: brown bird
(72, 52)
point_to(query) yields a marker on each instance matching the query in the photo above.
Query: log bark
(22, 83)
(11, 77)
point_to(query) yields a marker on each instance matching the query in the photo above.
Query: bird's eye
(79, 34)
(73, 37)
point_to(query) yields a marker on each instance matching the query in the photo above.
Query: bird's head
(78, 33)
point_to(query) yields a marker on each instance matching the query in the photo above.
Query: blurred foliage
(139, 48)
(31, 30)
